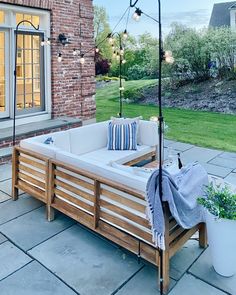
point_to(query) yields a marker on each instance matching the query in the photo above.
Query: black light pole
(160, 119)
(15, 76)
(162, 57)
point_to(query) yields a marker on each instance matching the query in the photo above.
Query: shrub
(220, 202)
(134, 94)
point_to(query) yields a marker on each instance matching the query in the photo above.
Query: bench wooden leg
(15, 191)
(202, 235)
(166, 269)
(50, 213)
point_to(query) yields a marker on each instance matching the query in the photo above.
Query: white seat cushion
(103, 170)
(105, 156)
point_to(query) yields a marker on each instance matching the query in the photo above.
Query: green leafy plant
(219, 201)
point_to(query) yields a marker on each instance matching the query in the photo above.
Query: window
(2, 17)
(30, 60)
(33, 62)
(32, 18)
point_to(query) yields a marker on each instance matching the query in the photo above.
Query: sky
(193, 13)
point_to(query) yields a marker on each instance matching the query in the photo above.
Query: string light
(75, 52)
(168, 57)
(114, 54)
(125, 34)
(137, 14)
(123, 61)
(122, 51)
(59, 57)
(117, 56)
(82, 59)
(96, 49)
(45, 42)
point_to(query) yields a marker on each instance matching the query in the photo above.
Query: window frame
(42, 78)
(10, 26)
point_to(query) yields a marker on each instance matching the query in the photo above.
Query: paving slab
(228, 163)
(2, 239)
(203, 269)
(216, 170)
(5, 186)
(184, 258)
(5, 172)
(11, 259)
(191, 285)
(12, 209)
(86, 262)
(34, 279)
(231, 178)
(228, 155)
(4, 197)
(199, 154)
(144, 282)
(168, 142)
(33, 228)
(181, 146)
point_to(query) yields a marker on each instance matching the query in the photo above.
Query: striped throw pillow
(122, 136)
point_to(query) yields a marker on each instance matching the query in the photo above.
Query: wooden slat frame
(127, 214)
(122, 200)
(129, 237)
(27, 178)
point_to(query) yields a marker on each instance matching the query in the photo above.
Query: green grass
(205, 129)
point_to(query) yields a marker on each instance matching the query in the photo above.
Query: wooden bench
(115, 211)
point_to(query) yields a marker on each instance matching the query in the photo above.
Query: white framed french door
(4, 74)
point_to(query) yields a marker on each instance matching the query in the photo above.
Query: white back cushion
(148, 133)
(47, 150)
(61, 140)
(88, 138)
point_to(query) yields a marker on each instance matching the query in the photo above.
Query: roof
(220, 15)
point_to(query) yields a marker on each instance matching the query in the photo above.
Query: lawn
(205, 129)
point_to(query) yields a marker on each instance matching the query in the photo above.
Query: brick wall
(73, 84)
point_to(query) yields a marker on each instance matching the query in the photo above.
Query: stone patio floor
(64, 258)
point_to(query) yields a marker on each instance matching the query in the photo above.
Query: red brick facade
(73, 84)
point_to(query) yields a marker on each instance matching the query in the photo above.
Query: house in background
(51, 95)
(223, 14)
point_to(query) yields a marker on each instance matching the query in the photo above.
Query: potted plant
(220, 204)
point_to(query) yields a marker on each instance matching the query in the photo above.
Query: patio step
(30, 130)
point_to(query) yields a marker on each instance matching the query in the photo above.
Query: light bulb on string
(117, 56)
(82, 59)
(137, 14)
(114, 54)
(122, 51)
(168, 57)
(123, 61)
(75, 52)
(96, 49)
(125, 34)
(43, 42)
(59, 57)
(48, 42)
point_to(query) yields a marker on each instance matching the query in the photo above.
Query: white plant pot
(222, 244)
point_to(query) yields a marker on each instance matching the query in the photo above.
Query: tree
(101, 30)
(191, 51)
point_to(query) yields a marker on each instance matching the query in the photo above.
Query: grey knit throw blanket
(181, 192)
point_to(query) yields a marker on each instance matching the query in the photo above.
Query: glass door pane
(4, 104)
(30, 63)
